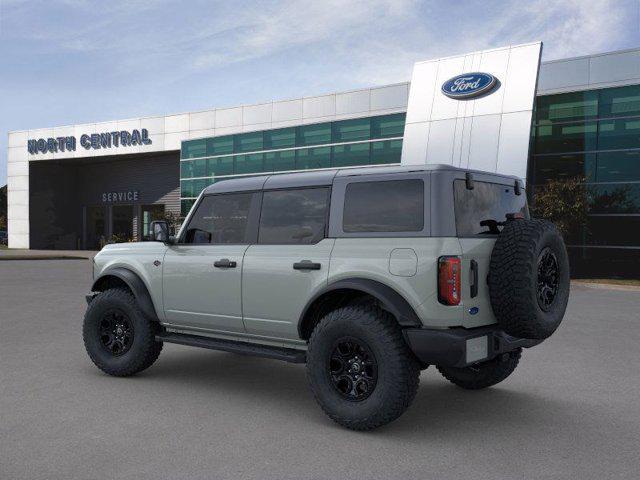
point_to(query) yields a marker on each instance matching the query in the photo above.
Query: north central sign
(93, 141)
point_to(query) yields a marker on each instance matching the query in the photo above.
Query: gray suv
(367, 275)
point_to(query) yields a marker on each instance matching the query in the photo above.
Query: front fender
(135, 284)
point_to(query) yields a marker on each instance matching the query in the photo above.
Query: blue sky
(72, 61)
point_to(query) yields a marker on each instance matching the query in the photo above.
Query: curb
(607, 286)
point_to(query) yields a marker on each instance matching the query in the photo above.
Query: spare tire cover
(529, 278)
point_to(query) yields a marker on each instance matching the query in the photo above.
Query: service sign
(469, 85)
(117, 197)
(93, 141)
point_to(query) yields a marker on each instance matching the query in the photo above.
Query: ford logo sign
(469, 85)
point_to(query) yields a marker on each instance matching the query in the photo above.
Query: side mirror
(159, 231)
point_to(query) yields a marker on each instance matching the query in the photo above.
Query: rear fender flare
(390, 300)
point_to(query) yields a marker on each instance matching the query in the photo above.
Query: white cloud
(376, 39)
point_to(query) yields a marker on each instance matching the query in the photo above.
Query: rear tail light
(449, 280)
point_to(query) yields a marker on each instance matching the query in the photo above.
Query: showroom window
(593, 136)
(309, 158)
(344, 143)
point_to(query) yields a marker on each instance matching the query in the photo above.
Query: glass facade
(591, 135)
(362, 141)
(594, 136)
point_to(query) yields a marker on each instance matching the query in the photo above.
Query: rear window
(483, 210)
(387, 206)
(294, 216)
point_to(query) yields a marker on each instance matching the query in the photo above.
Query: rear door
(289, 262)
(480, 213)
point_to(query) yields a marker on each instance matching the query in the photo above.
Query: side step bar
(244, 348)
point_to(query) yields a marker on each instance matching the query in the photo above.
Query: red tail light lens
(449, 280)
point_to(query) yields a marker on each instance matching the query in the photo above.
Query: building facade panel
(351, 103)
(176, 123)
(257, 114)
(286, 111)
(17, 154)
(390, 97)
(154, 125)
(202, 120)
(18, 139)
(563, 74)
(318, 107)
(229, 117)
(614, 67)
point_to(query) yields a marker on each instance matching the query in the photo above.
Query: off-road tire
(484, 374)
(144, 349)
(514, 278)
(398, 371)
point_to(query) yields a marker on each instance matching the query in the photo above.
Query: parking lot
(571, 409)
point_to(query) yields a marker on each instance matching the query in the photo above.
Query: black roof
(322, 177)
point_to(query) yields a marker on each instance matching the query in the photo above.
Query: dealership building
(79, 186)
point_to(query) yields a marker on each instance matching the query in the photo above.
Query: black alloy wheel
(548, 273)
(116, 332)
(353, 369)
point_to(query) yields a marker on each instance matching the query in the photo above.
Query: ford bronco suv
(367, 275)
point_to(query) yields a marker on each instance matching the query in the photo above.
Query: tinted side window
(481, 210)
(388, 206)
(294, 216)
(220, 219)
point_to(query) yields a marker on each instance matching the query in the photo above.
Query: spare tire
(529, 278)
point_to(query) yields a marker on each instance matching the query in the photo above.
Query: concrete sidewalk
(24, 254)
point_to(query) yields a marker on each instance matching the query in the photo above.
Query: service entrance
(96, 226)
(119, 223)
(122, 223)
(85, 203)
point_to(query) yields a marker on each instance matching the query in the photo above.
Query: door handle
(224, 263)
(306, 265)
(474, 278)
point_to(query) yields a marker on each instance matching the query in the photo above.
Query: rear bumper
(461, 347)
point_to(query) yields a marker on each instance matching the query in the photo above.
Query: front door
(289, 261)
(202, 272)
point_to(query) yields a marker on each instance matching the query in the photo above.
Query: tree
(564, 202)
(174, 221)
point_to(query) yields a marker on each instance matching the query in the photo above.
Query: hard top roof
(323, 177)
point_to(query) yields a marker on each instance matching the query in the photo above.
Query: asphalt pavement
(570, 411)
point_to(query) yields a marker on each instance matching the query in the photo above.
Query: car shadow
(439, 410)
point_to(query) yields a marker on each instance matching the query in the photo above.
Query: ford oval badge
(473, 310)
(469, 85)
